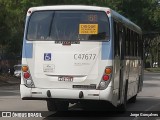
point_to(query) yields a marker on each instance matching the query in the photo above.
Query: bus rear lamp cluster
(105, 78)
(25, 71)
(108, 71)
(27, 77)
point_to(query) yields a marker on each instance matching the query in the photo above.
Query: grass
(152, 69)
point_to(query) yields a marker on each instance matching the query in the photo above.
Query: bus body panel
(69, 94)
(65, 62)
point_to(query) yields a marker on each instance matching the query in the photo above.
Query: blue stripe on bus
(107, 48)
(27, 47)
(27, 50)
(106, 51)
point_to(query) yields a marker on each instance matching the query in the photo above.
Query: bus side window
(131, 43)
(128, 34)
(116, 40)
(140, 47)
(136, 47)
(126, 42)
(134, 44)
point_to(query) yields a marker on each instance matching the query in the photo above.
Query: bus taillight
(26, 75)
(105, 77)
(24, 68)
(108, 71)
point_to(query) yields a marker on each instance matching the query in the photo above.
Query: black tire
(91, 105)
(62, 105)
(56, 105)
(133, 99)
(51, 105)
(96, 105)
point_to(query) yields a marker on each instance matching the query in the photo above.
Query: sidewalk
(8, 80)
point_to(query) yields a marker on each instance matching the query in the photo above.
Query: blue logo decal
(47, 56)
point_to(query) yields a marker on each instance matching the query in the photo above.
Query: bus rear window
(68, 25)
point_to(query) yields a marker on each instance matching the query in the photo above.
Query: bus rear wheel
(51, 105)
(133, 99)
(57, 105)
(62, 105)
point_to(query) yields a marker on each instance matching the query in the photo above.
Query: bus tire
(61, 105)
(133, 99)
(123, 107)
(51, 105)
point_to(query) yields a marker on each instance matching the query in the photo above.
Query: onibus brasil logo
(21, 114)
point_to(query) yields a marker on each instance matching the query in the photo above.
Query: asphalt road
(148, 100)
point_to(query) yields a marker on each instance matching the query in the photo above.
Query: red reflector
(26, 75)
(29, 12)
(108, 12)
(105, 77)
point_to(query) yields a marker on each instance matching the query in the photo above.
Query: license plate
(65, 78)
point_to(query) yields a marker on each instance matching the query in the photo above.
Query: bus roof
(68, 7)
(113, 13)
(125, 22)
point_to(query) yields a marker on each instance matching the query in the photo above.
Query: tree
(4, 31)
(12, 19)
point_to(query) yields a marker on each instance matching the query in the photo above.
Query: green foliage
(141, 12)
(153, 69)
(12, 19)
(4, 31)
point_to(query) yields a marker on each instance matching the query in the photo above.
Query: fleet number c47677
(84, 56)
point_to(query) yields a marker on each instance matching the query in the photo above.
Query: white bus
(74, 53)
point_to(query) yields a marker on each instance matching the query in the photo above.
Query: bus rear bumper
(65, 94)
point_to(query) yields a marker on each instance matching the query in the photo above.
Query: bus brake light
(26, 75)
(105, 77)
